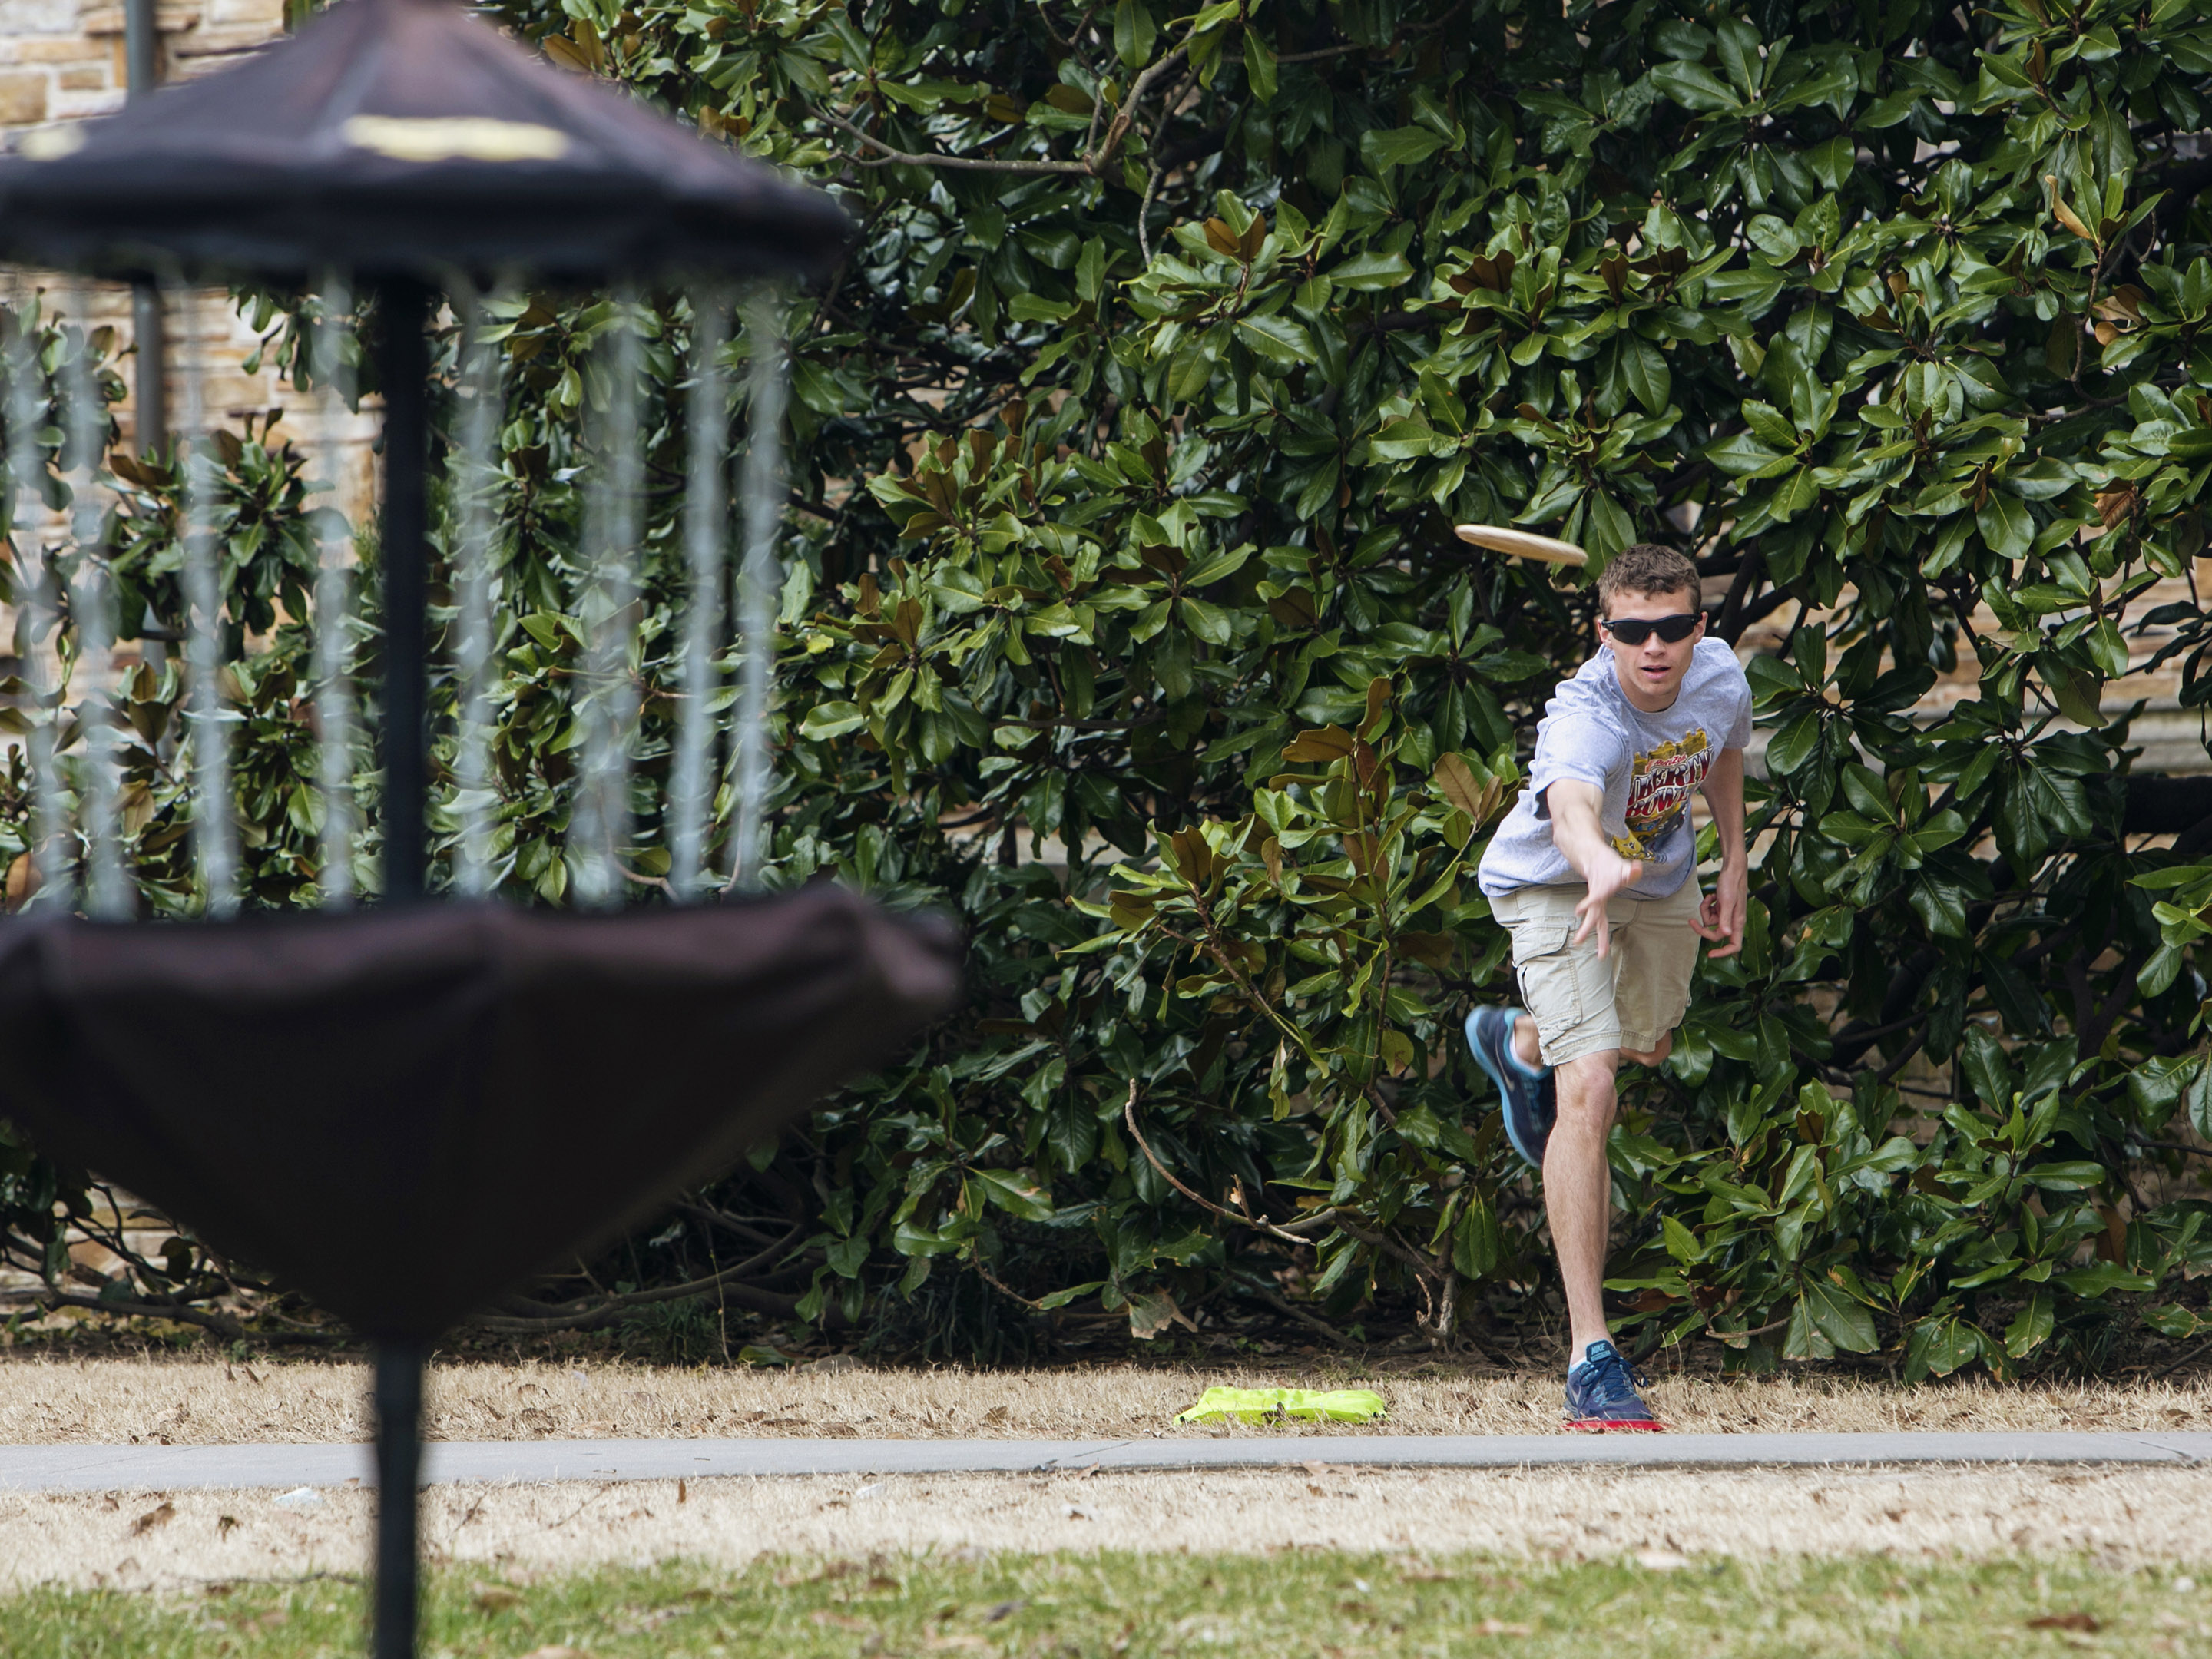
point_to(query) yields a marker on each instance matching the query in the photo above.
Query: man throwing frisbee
(1594, 872)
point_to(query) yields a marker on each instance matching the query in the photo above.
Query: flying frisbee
(1521, 544)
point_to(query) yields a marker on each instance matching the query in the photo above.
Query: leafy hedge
(1124, 617)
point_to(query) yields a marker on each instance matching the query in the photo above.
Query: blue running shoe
(1530, 1104)
(1601, 1395)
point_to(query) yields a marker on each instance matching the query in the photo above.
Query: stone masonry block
(69, 49)
(22, 98)
(19, 18)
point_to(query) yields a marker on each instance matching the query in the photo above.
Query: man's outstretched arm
(1577, 831)
(1721, 915)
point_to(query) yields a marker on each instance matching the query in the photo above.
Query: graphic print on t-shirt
(1660, 792)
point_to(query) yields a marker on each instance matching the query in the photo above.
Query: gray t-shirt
(1647, 765)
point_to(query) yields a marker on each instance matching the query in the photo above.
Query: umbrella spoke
(37, 623)
(476, 559)
(214, 829)
(760, 582)
(601, 822)
(92, 610)
(706, 525)
(333, 600)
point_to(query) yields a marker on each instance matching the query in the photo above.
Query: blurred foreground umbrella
(403, 138)
(406, 1112)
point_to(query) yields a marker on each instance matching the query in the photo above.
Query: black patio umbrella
(408, 1111)
(404, 139)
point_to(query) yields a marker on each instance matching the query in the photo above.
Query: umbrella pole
(403, 369)
(398, 1470)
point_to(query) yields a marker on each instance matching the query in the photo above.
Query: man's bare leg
(1578, 1183)
(1579, 1191)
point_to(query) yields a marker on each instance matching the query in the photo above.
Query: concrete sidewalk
(109, 1468)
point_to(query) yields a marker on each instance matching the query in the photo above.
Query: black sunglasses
(1634, 630)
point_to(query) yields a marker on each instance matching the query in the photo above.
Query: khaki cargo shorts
(1584, 1005)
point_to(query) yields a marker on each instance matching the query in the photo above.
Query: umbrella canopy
(407, 1113)
(403, 138)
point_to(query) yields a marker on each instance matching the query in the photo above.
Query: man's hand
(1607, 873)
(1721, 916)
(1580, 837)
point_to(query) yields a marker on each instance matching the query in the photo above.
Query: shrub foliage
(1124, 617)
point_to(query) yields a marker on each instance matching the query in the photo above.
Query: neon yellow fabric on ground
(1254, 1405)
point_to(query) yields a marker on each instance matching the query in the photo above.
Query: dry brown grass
(43, 1401)
(2121, 1517)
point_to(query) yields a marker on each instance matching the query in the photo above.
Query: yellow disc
(1522, 543)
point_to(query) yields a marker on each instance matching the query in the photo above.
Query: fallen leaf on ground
(2086, 1622)
(843, 1621)
(153, 1518)
(492, 1598)
(1003, 1610)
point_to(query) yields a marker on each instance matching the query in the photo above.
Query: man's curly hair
(1647, 568)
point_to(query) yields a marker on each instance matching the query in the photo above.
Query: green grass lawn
(1311, 1603)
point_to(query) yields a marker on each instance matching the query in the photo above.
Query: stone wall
(62, 60)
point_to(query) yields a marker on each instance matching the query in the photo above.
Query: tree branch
(1730, 624)
(887, 156)
(1119, 128)
(588, 1314)
(607, 1312)
(1091, 165)
(206, 1319)
(1261, 1224)
(1289, 1309)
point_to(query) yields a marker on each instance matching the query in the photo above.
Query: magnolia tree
(1124, 617)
